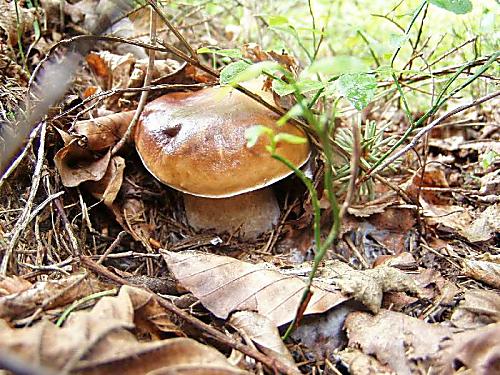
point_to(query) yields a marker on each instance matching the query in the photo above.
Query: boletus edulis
(195, 142)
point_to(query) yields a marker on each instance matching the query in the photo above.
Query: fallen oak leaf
(223, 285)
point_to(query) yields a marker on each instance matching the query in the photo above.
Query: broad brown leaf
(100, 342)
(477, 350)
(264, 334)
(58, 292)
(224, 285)
(395, 339)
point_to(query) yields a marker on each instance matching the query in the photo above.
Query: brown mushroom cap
(195, 142)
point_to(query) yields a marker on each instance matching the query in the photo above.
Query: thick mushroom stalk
(195, 142)
(247, 215)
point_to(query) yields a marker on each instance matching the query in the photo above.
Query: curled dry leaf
(112, 70)
(58, 292)
(264, 334)
(487, 270)
(76, 165)
(109, 185)
(130, 214)
(485, 226)
(476, 350)
(99, 342)
(368, 286)
(162, 68)
(395, 339)
(224, 285)
(479, 308)
(105, 131)
(14, 284)
(376, 206)
(433, 285)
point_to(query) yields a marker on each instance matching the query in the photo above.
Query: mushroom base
(248, 215)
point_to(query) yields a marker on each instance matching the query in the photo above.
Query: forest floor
(101, 273)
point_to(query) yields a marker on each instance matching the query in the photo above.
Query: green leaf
(255, 70)
(289, 138)
(455, 6)
(232, 53)
(306, 85)
(293, 112)
(253, 133)
(358, 88)
(338, 65)
(274, 21)
(489, 158)
(232, 70)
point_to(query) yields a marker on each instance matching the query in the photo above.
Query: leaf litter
(411, 285)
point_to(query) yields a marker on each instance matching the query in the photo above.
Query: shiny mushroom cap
(195, 142)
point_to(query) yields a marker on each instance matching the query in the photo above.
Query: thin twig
(356, 153)
(173, 29)
(75, 248)
(111, 247)
(429, 127)
(24, 218)
(147, 81)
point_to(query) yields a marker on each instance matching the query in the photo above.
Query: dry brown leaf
(479, 308)
(14, 284)
(487, 270)
(53, 292)
(477, 350)
(396, 339)
(107, 188)
(485, 226)
(224, 285)
(105, 131)
(98, 65)
(373, 207)
(432, 177)
(162, 68)
(454, 217)
(130, 214)
(433, 285)
(264, 334)
(358, 363)
(76, 165)
(12, 21)
(368, 286)
(99, 342)
(119, 68)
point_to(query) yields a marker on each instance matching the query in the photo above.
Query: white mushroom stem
(249, 214)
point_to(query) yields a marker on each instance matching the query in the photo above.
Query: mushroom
(195, 142)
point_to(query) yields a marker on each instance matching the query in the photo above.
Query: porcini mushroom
(195, 142)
